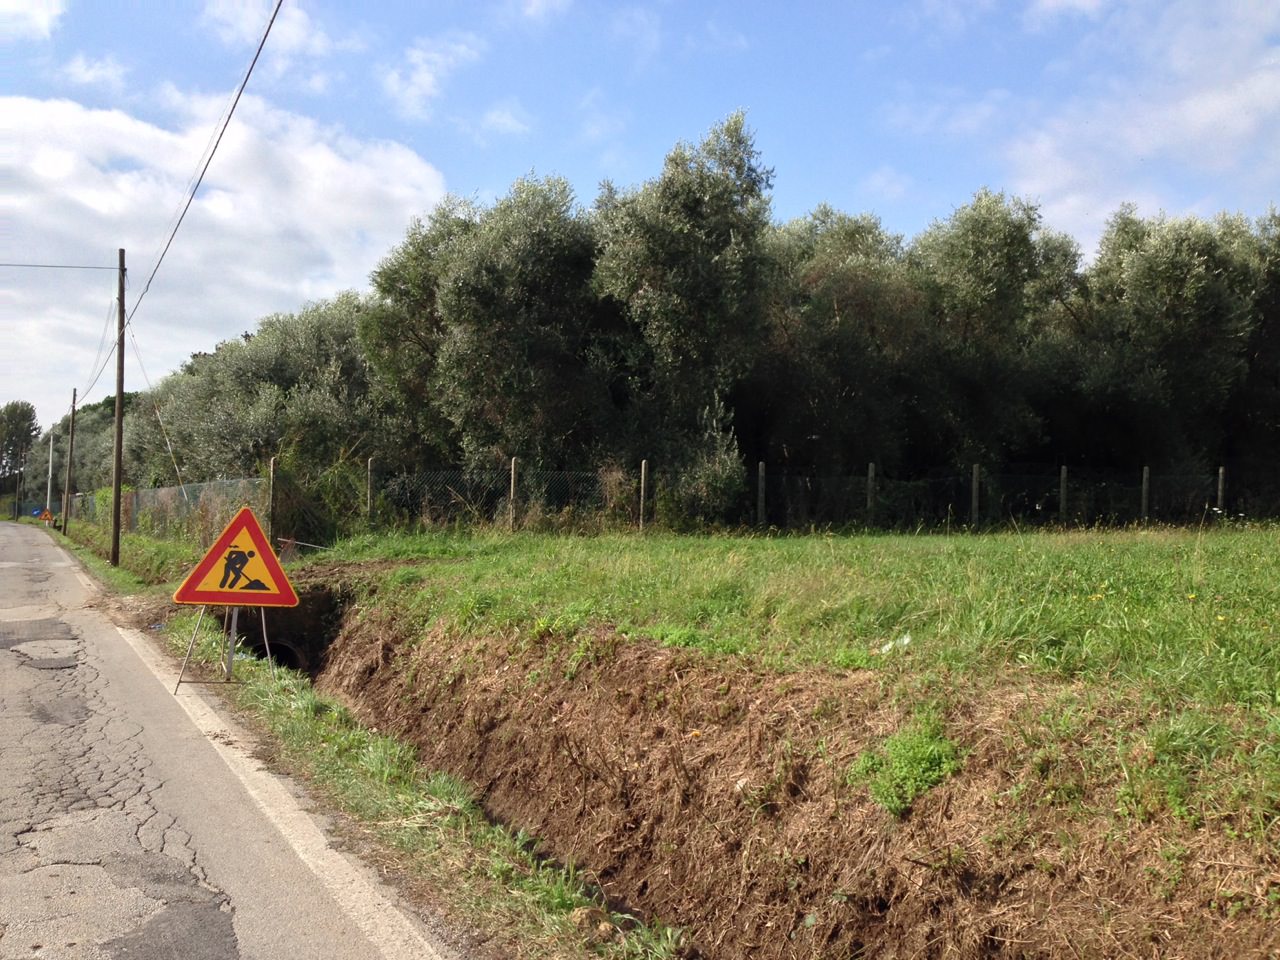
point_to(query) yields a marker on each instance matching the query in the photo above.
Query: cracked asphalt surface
(125, 830)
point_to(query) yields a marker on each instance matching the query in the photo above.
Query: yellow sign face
(240, 570)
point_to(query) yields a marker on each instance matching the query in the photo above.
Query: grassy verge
(148, 560)
(1193, 616)
(494, 877)
(1176, 630)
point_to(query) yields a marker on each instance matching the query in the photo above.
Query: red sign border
(244, 522)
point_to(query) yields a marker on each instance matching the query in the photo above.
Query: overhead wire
(191, 195)
(159, 419)
(56, 266)
(193, 187)
(102, 345)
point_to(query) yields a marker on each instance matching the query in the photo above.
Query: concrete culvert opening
(299, 636)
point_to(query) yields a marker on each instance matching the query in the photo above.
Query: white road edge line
(395, 935)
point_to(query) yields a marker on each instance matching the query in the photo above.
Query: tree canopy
(675, 320)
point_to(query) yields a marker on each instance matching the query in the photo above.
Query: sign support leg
(267, 643)
(190, 647)
(231, 643)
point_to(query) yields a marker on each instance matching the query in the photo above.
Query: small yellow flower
(1221, 617)
(1191, 596)
(1095, 596)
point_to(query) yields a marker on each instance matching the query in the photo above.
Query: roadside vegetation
(677, 321)
(1084, 703)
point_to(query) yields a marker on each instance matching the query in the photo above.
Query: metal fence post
(271, 501)
(973, 499)
(760, 516)
(511, 498)
(1146, 493)
(871, 493)
(1222, 489)
(368, 491)
(644, 483)
(1062, 496)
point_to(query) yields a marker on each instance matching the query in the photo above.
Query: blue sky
(361, 116)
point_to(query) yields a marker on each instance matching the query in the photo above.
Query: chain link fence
(520, 498)
(359, 498)
(195, 511)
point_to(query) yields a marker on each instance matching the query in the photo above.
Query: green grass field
(1189, 616)
(1158, 644)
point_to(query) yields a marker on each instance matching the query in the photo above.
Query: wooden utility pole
(117, 468)
(71, 447)
(17, 484)
(48, 490)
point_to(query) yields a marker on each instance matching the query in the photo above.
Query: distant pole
(1062, 496)
(973, 498)
(1222, 489)
(17, 484)
(117, 467)
(760, 515)
(48, 490)
(1146, 493)
(71, 447)
(644, 483)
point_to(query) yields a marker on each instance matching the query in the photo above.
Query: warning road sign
(45, 515)
(240, 570)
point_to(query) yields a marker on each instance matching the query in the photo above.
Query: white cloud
(1043, 12)
(601, 121)
(241, 22)
(885, 183)
(29, 19)
(507, 117)
(428, 63)
(642, 29)
(949, 113)
(948, 16)
(290, 211)
(725, 38)
(105, 72)
(1194, 104)
(295, 37)
(542, 9)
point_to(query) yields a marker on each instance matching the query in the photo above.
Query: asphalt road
(136, 824)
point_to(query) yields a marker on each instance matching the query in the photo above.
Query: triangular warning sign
(240, 570)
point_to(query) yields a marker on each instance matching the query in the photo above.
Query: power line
(151, 392)
(55, 266)
(192, 195)
(102, 345)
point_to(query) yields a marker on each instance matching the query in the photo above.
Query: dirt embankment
(715, 798)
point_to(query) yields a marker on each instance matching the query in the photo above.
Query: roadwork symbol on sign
(45, 515)
(240, 570)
